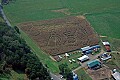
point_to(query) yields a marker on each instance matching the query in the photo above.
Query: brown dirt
(61, 35)
(100, 73)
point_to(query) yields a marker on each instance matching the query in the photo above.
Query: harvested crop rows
(61, 35)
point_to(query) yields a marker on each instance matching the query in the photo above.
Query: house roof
(93, 63)
(116, 75)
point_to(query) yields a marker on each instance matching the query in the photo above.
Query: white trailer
(83, 58)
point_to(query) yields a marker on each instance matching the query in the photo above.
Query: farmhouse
(94, 64)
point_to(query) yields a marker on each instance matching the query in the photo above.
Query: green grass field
(32, 10)
(103, 15)
(106, 24)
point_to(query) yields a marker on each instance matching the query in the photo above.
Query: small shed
(116, 75)
(93, 64)
(107, 47)
(106, 43)
(66, 54)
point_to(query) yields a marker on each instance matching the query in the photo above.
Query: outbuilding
(88, 52)
(83, 58)
(66, 54)
(85, 48)
(106, 43)
(105, 56)
(95, 46)
(94, 64)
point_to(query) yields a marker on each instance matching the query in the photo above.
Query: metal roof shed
(96, 46)
(106, 43)
(93, 63)
(86, 48)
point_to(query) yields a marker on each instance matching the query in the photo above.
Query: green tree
(65, 71)
(17, 29)
(19, 56)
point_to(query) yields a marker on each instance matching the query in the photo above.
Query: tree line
(15, 53)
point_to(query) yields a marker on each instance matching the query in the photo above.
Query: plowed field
(61, 35)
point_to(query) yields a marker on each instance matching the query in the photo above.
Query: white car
(73, 60)
(60, 56)
(70, 61)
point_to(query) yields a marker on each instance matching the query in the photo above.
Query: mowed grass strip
(52, 65)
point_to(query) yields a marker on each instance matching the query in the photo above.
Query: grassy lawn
(13, 76)
(74, 55)
(17, 76)
(5, 77)
(83, 75)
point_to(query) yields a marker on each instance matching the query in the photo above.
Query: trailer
(83, 58)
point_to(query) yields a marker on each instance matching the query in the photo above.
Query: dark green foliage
(17, 54)
(17, 29)
(65, 71)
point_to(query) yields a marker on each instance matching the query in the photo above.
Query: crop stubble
(58, 36)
